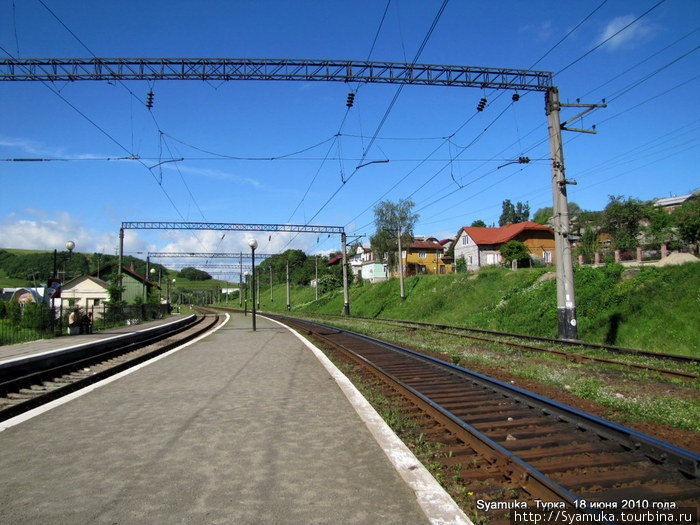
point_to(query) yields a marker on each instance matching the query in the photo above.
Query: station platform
(237, 427)
(56, 344)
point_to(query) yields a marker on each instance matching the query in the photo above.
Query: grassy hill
(657, 308)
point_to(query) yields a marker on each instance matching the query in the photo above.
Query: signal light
(149, 99)
(351, 99)
(482, 105)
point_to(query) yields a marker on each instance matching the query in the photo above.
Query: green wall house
(134, 284)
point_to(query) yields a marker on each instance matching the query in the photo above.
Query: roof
(127, 271)
(445, 241)
(335, 260)
(673, 201)
(486, 235)
(425, 245)
(103, 284)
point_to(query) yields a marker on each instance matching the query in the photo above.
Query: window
(471, 260)
(465, 239)
(421, 255)
(547, 257)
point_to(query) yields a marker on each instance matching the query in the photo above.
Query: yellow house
(425, 256)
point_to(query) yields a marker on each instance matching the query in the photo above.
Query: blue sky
(648, 141)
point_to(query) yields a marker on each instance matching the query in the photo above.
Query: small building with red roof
(480, 245)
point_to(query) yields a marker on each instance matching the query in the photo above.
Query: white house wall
(469, 250)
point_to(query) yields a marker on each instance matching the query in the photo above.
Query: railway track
(504, 436)
(506, 339)
(34, 381)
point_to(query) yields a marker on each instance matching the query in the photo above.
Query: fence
(28, 322)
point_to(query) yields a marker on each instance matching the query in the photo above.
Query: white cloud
(634, 34)
(46, 230)
(542, 30)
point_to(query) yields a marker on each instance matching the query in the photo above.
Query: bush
(14, 312)
(328, 283)
(36, 316)
(3, 310)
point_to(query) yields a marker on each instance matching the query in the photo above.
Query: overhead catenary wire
(600, 44)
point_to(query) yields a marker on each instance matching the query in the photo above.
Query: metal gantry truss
(235, 226)
(207, 255)
(232, 226)
(213, 69)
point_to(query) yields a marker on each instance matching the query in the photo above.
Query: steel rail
(578, 358)
(564, 342)
(69, 368)
(658, 451)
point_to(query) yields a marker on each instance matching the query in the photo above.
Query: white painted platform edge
(435, 502)
(74, 395)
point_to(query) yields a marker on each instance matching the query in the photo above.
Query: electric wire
(594, 48)
(640, 62)
(568, 34)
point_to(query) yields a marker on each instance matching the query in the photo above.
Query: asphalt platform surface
(240, 427)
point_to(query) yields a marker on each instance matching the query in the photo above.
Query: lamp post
(70, 245)
(245, 289)
(54, 285)
(253, 245)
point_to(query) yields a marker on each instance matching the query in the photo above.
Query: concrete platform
(40, 346)
(240, 427)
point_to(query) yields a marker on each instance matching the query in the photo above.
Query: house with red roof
(480, 245)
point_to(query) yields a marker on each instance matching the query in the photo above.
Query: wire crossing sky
(79, 158)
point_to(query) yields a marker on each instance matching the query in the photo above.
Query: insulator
(516, 97)
(149, 99)
(351, 99)
(482, 105)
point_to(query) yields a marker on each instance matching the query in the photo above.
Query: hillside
(657, 308)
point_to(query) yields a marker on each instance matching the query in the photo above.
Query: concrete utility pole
(121, 257)
(346, 296)
(317, 277)
(403, 295)
(271, 298)
(566, 299)
(240, 281)
(289, 306)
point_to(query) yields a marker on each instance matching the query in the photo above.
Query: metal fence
(28, 322)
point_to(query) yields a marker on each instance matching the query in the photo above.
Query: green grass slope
(657, 308)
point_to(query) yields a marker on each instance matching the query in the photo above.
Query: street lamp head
(153, 271)
(247, 273)
(253, 244)
(70, 245)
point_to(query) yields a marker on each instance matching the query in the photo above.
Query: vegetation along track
(519, 341)
(502, 434)
(32, 384)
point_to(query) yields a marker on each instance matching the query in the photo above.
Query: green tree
(3, 310)
(478, 224)
(115, 291)
(661, 227)
(622, 219)
(588, 245)
(514, 251)
(461, 264)
(14, 312)
(389, 218)
(687, 218)
(514, 213)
